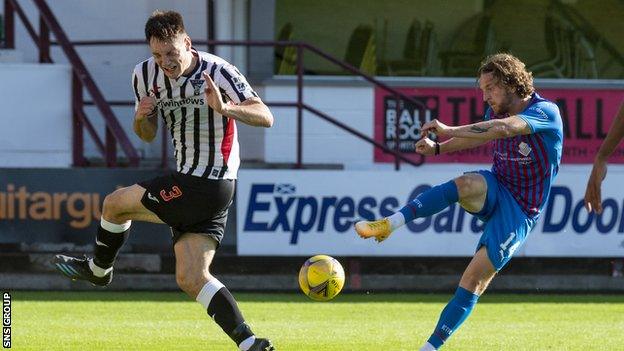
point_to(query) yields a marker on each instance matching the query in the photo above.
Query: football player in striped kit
(198, 97)
(527, 135)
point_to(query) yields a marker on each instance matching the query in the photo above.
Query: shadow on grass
(300, 298)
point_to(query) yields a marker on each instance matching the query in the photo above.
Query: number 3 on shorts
(168, 195)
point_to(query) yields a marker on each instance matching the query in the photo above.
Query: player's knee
(190, 282)
(182, 280)
(474, 283)
(470, 283)
(186, 282)
(463, 183)
(111, 205)
(114, 206)
(469, 185)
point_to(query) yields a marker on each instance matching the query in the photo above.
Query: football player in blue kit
(527, 137)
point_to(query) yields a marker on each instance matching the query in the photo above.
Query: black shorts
(190, 204)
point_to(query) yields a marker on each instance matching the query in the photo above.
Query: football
(321, 277)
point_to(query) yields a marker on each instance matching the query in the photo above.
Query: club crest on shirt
(524, 149)
(197, 85)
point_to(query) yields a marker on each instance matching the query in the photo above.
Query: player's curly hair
(510, 71)
(164, 25)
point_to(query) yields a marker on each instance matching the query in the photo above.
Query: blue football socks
(453, 315)
(431, 201)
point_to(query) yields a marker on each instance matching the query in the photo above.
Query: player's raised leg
(469, 189)
(119, 209)
(474, 281)
(194, 254)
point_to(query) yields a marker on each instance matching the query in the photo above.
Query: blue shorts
(506, 225)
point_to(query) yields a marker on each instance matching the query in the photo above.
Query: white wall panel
(36, 115)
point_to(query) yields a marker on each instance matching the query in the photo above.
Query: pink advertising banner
(586, 114)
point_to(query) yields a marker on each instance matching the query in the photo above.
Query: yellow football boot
(379, 229)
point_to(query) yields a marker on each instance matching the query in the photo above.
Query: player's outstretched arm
(145, 119)
(484, 130)
(614, 137)
(427, 147)
(251, 111)
(593, 196)
(459, 143)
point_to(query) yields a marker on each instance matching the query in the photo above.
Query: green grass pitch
(171, 321)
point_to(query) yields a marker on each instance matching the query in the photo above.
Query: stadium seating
(285, 56)
(362, 49)
(557, 36)
(571, 54)
(603, 33)
(419, 53)
(472, 41)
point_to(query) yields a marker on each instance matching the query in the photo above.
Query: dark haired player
(198, 97)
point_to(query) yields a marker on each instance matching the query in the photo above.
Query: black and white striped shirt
(205, 143)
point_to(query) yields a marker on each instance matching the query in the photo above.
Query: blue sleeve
(542, 116)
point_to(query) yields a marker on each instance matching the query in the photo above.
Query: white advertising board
(310, 212)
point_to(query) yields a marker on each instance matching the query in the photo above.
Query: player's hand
(147, 108)
(213, 95)
(425, 146)
(436, 127)
(593, 196)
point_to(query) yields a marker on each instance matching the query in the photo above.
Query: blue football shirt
(527, 164)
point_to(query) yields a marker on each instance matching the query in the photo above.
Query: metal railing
(113, 129)
(299, 104)
(81, 78)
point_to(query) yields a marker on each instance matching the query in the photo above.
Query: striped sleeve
(139, 83)
(234, 84)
